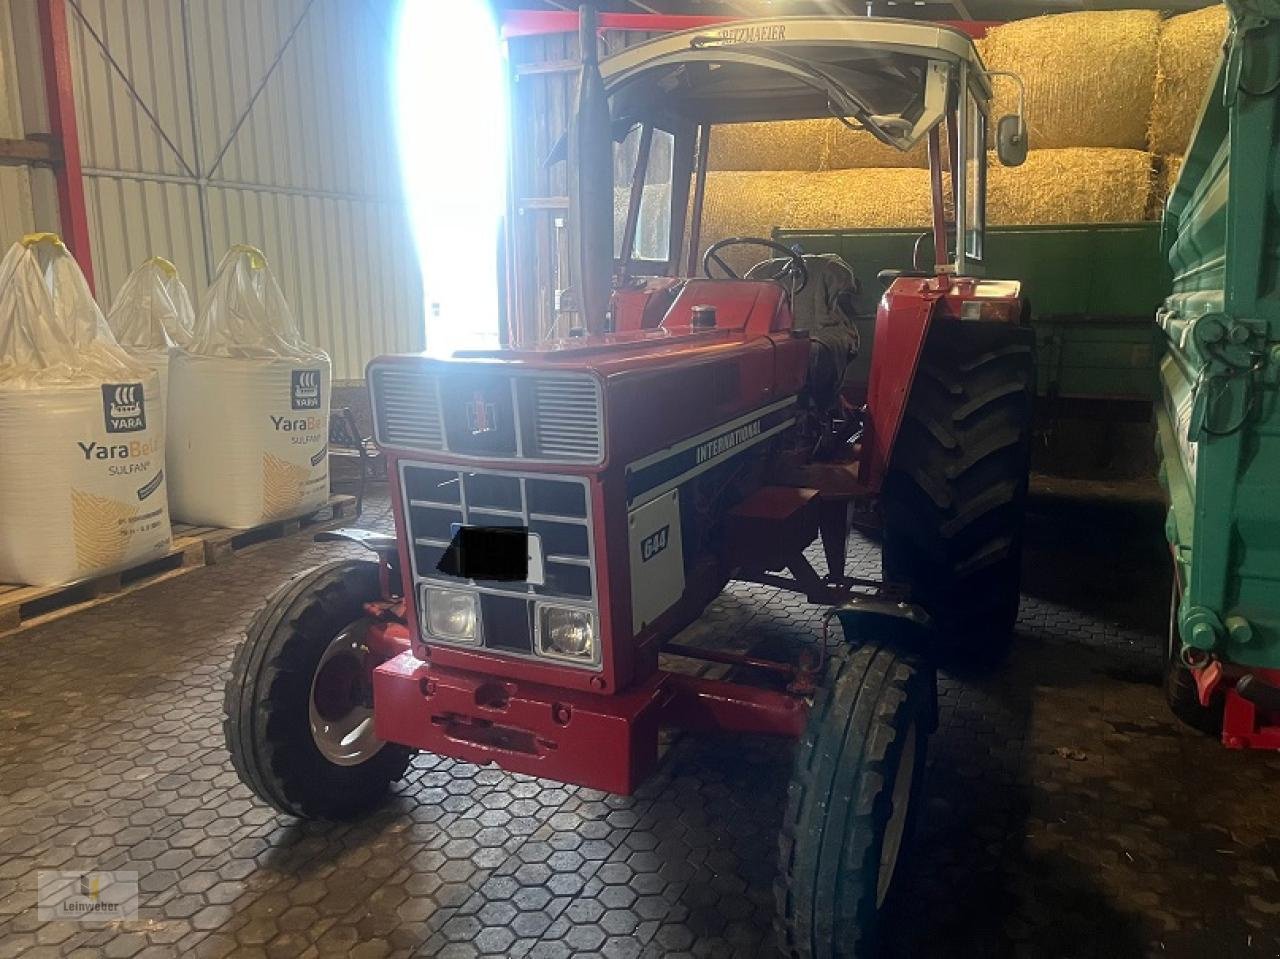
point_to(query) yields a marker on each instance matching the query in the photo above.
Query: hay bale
(742, 203)
(1186, 56)
(1080, 185)
(746, 203)
(859, 199)
(1166, 179)
(780, 145)
(857, 149)
(1090, 76)
(803, 145)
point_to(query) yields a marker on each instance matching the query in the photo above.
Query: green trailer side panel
(1220, 411)
(1092, 290)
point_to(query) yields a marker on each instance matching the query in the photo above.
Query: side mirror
(1011, 140)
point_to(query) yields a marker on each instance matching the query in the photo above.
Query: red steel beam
(60, 96)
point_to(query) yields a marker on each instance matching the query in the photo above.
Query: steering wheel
(795, 268)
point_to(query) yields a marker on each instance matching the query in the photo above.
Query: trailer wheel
(852, 800)
(298, 716)
(1180, 689)
(954, 496)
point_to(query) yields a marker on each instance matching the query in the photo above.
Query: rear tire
(956, 489)
(851, 804)
(1180, 689)
(296, 676)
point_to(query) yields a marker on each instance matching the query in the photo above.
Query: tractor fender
(878, 621)
(886, 622)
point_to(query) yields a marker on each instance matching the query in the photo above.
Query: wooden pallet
(221, 544)
(22, 606)
(193, 547)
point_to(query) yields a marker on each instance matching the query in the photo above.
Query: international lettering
(727, 441)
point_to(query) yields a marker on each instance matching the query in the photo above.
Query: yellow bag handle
(166, 266)
(33, 239)
(257, 259)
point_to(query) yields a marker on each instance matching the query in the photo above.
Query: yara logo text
(306, 389)
(124, 407)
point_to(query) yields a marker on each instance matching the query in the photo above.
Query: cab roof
(883, 73)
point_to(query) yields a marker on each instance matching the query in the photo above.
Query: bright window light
(451, 114)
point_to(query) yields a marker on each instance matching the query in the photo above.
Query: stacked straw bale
(1186, 56)
(1166, 180)
(804, 145)
(860, 198)
(1078, 185)
(857, 149)
(781, 145)
(1089, 76)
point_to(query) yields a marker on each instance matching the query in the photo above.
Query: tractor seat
(825, 309)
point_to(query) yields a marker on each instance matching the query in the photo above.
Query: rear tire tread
(957, 484)
(838, 801)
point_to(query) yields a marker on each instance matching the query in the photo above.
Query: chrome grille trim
(566, 418)
(559, 416)
(406, 408)
(463, 510)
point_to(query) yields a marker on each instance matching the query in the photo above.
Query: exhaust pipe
(590, 157)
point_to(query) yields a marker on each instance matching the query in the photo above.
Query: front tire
(298, 718)
(851, 805)
(956, 489)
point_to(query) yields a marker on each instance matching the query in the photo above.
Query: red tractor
(565, 508)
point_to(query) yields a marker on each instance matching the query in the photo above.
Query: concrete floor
(1067, 813)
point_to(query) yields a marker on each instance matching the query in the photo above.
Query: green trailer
(1219, 416)
(1092, 289)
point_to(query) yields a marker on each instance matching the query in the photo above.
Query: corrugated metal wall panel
(130, 216)
(233, 121)
(16, 216)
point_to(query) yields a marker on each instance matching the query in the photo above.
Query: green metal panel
(1092, 290)
(1220, 414)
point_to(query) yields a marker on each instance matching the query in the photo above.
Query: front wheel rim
(339, 704)
(895, 829)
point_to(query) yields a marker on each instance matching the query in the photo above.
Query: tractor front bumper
(601, 742)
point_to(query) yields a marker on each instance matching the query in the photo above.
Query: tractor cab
(661, 103)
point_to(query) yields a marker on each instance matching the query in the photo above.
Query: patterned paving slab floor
(1067, 813)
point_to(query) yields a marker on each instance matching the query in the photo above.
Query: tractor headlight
(567, 632)
(452, 614)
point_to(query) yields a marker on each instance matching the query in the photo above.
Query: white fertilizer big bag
(151, 315)
(82, 483)
(249, 406)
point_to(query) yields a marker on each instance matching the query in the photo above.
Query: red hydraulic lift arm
(60, 96)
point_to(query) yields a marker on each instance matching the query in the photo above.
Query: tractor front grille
(437, 499)
(486, 413)
(406, 405)
(566, 418)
